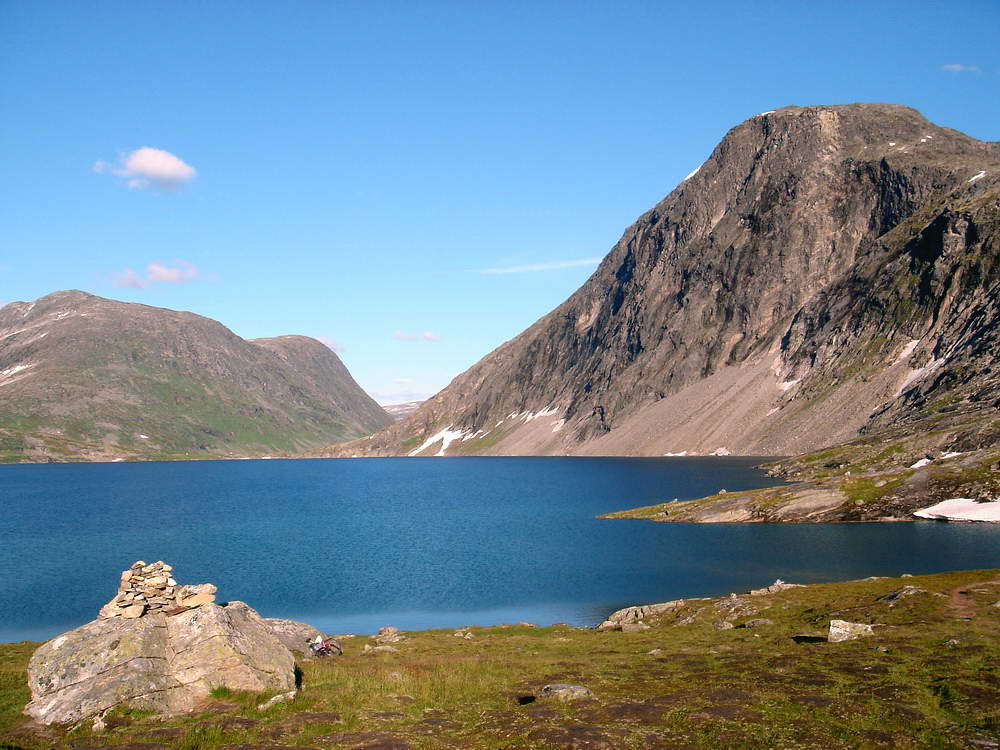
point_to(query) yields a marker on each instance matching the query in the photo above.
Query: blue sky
(361, 171)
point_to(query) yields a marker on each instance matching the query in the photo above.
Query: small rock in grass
(757, 622)
(634, 627)
(655, 652)
(389, 634)
(368, 649)
(566, 693)
(723, 625)
(841, 630)
(280, 698)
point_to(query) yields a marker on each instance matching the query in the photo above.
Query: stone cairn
(146, 589)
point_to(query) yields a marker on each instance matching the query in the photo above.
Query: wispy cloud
(406, 336)
(331, 344)
(402, 381)
(959, 68)
(149, 167)
(158, 273)
(553, 265)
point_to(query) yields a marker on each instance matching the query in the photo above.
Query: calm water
(351, 545)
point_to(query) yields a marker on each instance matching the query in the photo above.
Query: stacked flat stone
(146, 589)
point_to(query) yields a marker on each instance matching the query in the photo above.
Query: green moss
(865, 490)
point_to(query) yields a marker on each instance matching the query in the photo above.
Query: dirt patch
(644, 713)
(233, 723)
(817, 701)
(730, 712)
(365, 741)
(960, 602)
(578, 737)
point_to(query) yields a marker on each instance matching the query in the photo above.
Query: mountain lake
(352, 545)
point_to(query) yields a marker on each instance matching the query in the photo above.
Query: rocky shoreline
(877, 480)
(879, 662)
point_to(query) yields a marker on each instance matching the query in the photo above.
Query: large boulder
(157, 662)
(296, 636)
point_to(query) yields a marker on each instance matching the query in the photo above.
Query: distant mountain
(83, 377)
(399, 411)
(828, 272)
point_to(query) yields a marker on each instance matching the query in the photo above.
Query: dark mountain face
(826, 271)
(86, 377)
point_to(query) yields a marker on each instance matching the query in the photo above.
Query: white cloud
(548, 266)
(184, 271)
(406, 336)
(402, 381)
(158, 273)
(331, 344)
(959, 68)
(149, 167)
(130, 280)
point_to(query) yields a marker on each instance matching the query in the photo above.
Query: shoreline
(777, 586)
(758, 669)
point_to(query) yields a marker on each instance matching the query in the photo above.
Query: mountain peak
(762, 307)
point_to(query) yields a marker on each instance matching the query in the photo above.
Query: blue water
(351, 545)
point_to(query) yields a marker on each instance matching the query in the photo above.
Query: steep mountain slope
(86, 377)
(827, 271)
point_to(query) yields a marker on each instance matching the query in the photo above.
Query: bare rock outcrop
(155, 660)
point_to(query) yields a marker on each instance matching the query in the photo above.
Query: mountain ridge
(84, 377)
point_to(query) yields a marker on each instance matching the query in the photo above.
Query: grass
(928, 678)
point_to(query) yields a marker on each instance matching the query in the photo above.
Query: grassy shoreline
(928, 677)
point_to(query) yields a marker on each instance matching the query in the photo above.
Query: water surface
(351, 545)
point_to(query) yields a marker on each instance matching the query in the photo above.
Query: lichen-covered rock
(157, 662)
(774, 588)
(295, 636)
(639, 613)
(566, 693)
(231, 646)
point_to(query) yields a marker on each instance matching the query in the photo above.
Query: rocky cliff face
(83, 377)
(827, 271)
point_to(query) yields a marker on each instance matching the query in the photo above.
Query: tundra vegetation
(733, 671)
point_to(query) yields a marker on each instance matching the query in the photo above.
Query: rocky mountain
(83, 377)
(828, 272)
